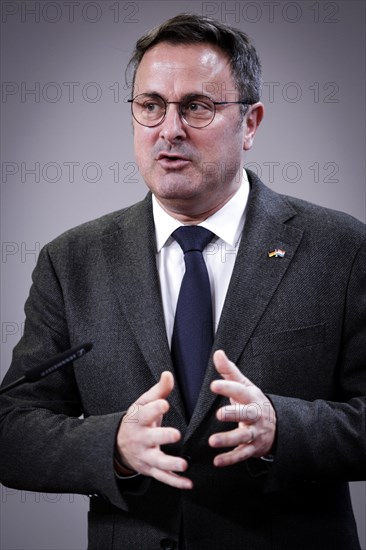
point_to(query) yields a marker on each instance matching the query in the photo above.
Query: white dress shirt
(220, 254)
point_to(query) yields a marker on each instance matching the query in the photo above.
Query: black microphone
(49, 366)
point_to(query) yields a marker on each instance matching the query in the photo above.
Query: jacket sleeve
(326, 440)
(46, 443)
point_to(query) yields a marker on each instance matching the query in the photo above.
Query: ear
(253, 119)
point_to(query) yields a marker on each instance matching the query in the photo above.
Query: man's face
(191, 171)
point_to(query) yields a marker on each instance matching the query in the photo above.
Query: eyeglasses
(198, 111)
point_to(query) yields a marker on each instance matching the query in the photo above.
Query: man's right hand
(140, 435)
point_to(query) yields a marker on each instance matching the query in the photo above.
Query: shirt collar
(227, 223)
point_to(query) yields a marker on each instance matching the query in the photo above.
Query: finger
(161, 436)
(155, 458)
(239, 454)
(172, 479)
(248, 413)
(233, 438)
(228, 369)
(142, 458)
(151, 413)
(236, 391)
(160, 390)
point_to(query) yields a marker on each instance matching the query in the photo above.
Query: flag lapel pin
(276, 253)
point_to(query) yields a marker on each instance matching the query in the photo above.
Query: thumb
(161, 390)
(228, 369)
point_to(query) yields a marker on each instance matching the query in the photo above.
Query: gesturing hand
(140, 435)
(249, 407)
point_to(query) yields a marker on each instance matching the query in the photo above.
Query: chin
(174, 186)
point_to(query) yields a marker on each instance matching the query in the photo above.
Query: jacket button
(168, 544)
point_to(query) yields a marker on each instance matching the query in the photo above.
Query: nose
(172, 128)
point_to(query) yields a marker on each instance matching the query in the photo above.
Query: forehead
(184, 68)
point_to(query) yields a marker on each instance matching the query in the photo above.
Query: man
(256, 450)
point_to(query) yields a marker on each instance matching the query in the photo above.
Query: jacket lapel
(255, 278)
(130, 256)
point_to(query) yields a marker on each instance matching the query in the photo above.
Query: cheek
(224, 149)
(226, 141)
(208, 145)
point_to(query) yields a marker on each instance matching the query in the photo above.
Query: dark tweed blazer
(296, 326)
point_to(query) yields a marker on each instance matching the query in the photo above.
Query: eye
(195, 106)
(198, 107)
(151, 106)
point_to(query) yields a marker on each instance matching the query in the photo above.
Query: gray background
(67, 152)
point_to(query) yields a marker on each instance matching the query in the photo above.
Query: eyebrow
(186, 96)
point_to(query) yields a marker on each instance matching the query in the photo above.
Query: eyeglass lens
(150, 109)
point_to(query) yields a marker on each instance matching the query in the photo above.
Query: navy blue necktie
(193, 329)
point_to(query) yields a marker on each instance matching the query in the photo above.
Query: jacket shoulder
(93, 231)
(315, 219)
(322, 220)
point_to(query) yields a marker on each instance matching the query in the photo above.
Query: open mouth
(172, 162)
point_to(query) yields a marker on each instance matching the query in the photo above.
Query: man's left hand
(249, 408)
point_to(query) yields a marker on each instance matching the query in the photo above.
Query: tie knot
(192, 237)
